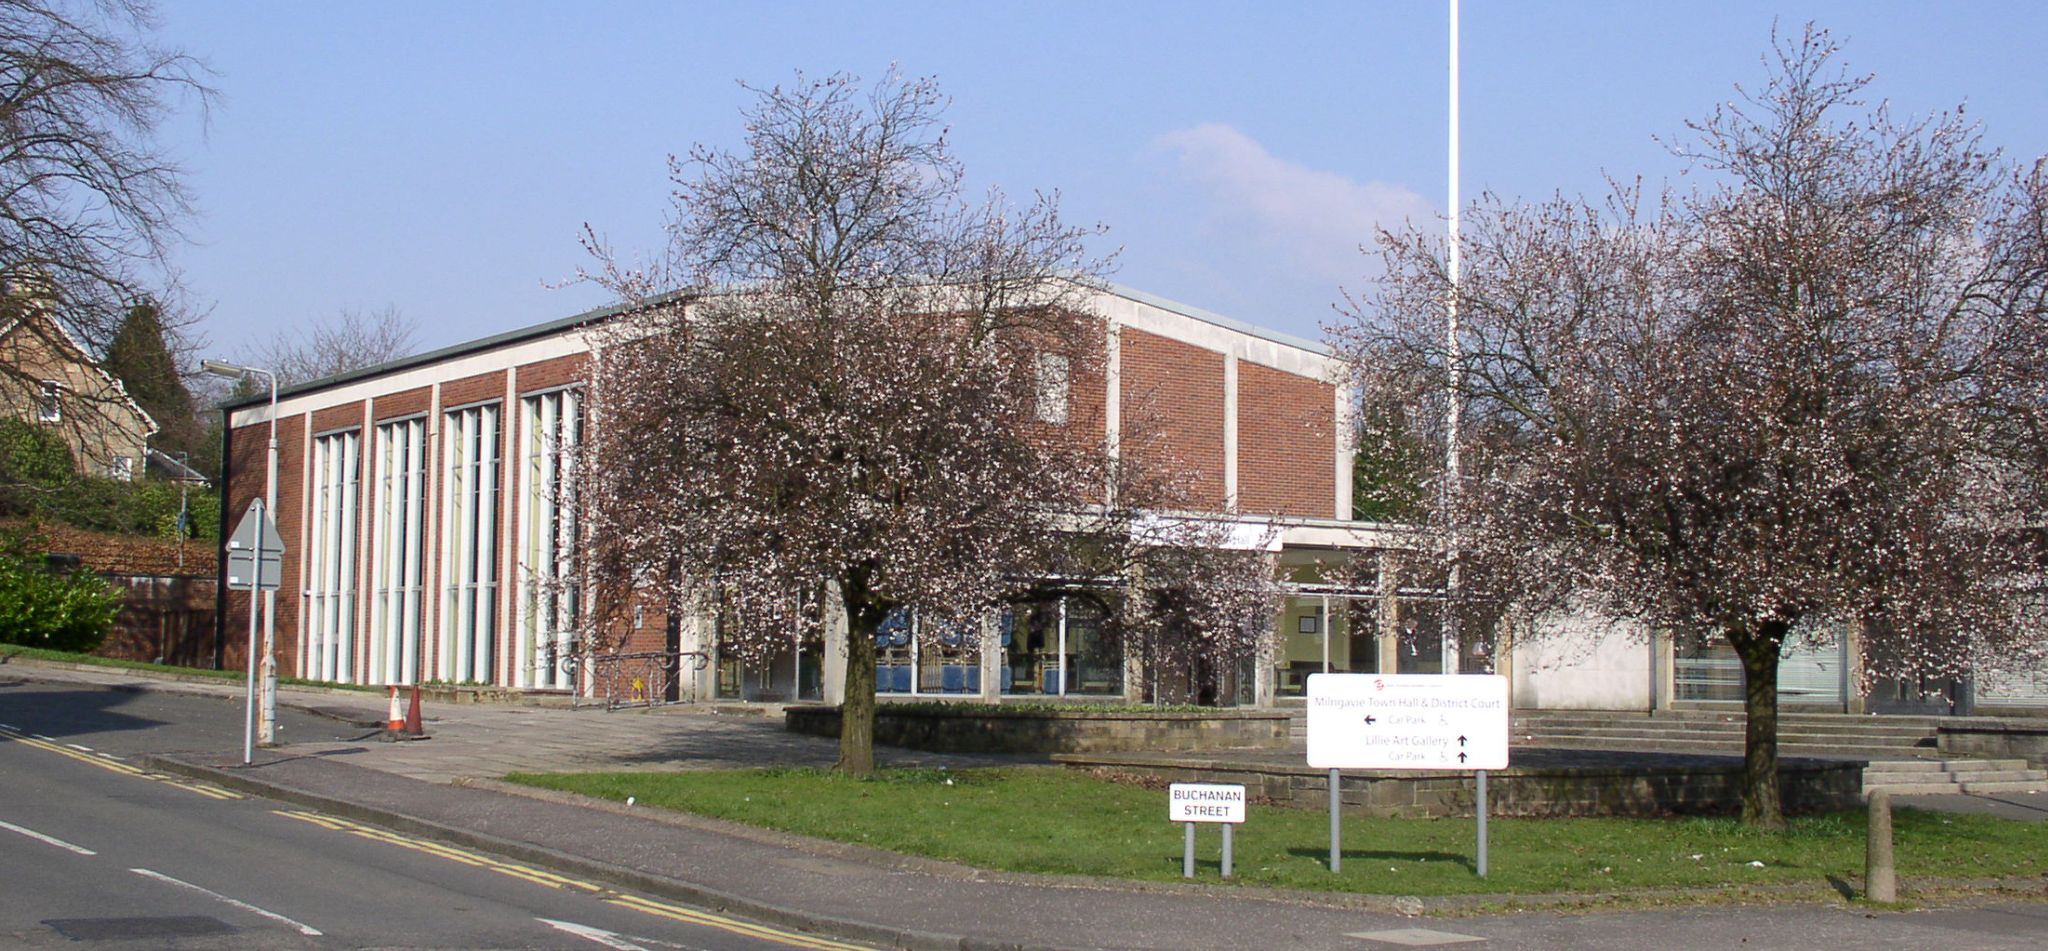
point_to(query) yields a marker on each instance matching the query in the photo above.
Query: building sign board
(1408, 721)
(1205, 802)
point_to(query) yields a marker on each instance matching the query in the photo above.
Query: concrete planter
(981, 730)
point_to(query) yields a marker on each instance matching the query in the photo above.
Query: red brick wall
(1286, 443)
(560, 371)
(1172, 411)
(405, 403)
(345, 416)
(473, 389)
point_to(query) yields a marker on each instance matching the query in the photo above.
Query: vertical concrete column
(1505, 639)
(991, 655)
(1230, 432)
(1112, 399)
(1854, 697)
(833, 670)
(1266, 674)
(1390, 613)
(1663, 669)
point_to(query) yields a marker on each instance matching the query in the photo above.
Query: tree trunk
(1761, 806)
(857, 711)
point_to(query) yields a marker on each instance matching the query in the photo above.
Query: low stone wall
(981, 730)
(1807, 786)
(1996, 738)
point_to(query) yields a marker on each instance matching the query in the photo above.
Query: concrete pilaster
(833, 671)
(1390, 614)
(991, 656)
(1663, 670)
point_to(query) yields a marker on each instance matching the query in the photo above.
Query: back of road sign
(243, 571)
(1408, 721)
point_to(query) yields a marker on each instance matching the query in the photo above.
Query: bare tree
(352, 340)
(90, 205)
(1810, 394)
(843, 406)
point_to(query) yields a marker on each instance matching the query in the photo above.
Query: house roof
(600, 314)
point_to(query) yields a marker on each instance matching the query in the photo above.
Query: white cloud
(1321, 217)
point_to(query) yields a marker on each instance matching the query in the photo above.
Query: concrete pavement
(867, 895)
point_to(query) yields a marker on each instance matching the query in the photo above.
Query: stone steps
(1952, 777)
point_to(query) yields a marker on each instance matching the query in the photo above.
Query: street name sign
(243, 570)
(1205, 802)
(1408, 721)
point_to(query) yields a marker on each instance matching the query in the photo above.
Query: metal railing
(641, 678)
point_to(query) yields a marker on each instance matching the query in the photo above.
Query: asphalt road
(96, 851)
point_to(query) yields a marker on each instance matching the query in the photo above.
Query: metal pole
(249, 713)
(267, 730)
(1482, 823)
(1336, 861)
(1454, 359)
(1226, 848)
(1187, 852)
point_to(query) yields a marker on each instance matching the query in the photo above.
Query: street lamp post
(266, 730)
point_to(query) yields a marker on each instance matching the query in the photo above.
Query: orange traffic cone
(414, 727)
(395, 719)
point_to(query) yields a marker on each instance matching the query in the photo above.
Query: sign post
(1191, 803)
(1451, 722)
(255, 562)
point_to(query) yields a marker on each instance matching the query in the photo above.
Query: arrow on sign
(1461, 741)
(1461, 757)
(1369, 720)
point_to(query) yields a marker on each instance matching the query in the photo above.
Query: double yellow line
(543, 877)
(113, 765)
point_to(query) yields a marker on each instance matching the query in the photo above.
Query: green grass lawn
(1059, 821)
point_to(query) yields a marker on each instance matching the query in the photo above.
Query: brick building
(416, 500)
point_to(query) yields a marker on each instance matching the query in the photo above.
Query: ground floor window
(915, 654)
(1060, 647)
(792, 669)
(1813, 669)
(1326, 633)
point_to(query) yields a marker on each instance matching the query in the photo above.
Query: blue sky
(441, 157)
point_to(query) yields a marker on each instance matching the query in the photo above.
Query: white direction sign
(1205, 802)
(1408, 721)
(244, 573)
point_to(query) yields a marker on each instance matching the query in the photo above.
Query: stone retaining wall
(2004, 738)
(1042, 731)
(1517, 791)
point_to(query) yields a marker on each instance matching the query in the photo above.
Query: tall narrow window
(399, 561)
(329, 625)
(1052, 389)
(49, 403)
(469, 534)
(549, 595)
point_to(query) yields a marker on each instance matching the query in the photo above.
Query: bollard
(1880, 877)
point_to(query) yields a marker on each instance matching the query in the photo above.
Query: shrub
(42, 607)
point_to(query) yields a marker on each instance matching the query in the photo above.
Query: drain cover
(126, 929)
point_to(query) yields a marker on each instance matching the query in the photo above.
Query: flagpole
(1454, 365)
